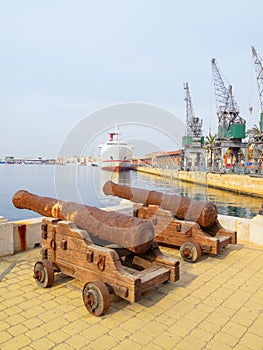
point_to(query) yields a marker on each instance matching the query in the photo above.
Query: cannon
(132, 233)
(180, 222)
(204, 213)
(104, 250)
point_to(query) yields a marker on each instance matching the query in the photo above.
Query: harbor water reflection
(84, 184)
(228, 203)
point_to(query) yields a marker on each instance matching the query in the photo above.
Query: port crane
(258, 63)
(230, 124)
(193, 152)
(193, 123)
(231, 127)
(257, 139)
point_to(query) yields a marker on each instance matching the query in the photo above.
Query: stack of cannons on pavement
(118, 254)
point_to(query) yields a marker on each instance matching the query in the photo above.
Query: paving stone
(225, 338)
(32, 323)
(167, 340)
(77, 342)
(141, 338)
(241, 347)
(128, 344)
(43, 344)
(18, 329)
(234, 329)
(152, 346)
(18, 342)
(55, 324)
(119, 333)
(50, 314)
(166, 319)
(104, 342)
(15, 319)
(187, 343)
(153, 328)
(202, 334)
(5, 336)
(217, 318)
(186, 322)
(13, 310)
(36, 333)
(217, 304)
(58, 336)
(133, 324)
(217, 345)
(197, 315)
(252, 341)
(3, 325)
(92, 333)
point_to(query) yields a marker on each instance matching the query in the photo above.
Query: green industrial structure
(193, 153)
(231, 126)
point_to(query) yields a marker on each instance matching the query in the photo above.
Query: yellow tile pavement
(216, 304)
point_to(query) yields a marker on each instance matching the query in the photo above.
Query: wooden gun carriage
(180, 222)
(104, 266)
(189, 236)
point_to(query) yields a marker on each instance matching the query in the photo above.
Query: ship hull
(116, 157)
(115, 154)
(115, 165)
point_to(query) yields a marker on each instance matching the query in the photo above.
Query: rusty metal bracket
(101, 262)
(53, 244)
(63, 244)
(90, 256)
(44, 231)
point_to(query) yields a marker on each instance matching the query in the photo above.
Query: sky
(63, 60)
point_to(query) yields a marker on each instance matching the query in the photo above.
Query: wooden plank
(86, 275)
(154, 280)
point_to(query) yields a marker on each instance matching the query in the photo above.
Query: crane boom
(258, 63)
(194, 123)
(221, 92)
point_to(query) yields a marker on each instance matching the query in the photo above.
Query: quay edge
(243, 184)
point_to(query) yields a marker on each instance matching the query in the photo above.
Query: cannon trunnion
(104, 269)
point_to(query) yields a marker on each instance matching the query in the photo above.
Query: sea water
(83, 184)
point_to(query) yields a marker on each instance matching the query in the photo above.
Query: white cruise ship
(115, 154)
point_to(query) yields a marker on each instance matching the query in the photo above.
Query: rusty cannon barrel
(204, 213)
(132, 233)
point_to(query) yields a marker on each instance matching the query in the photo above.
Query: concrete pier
(248, 230)
(18, 236)
(243, 184)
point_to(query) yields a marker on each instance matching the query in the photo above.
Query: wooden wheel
(44, 273)
(96, 297)
(190, 251)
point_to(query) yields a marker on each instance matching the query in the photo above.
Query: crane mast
(258, 63)
(193, 123)
(230, 124)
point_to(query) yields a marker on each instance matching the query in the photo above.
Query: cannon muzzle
(204, 213)
(133, 233)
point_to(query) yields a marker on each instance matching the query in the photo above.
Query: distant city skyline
(63, 61)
